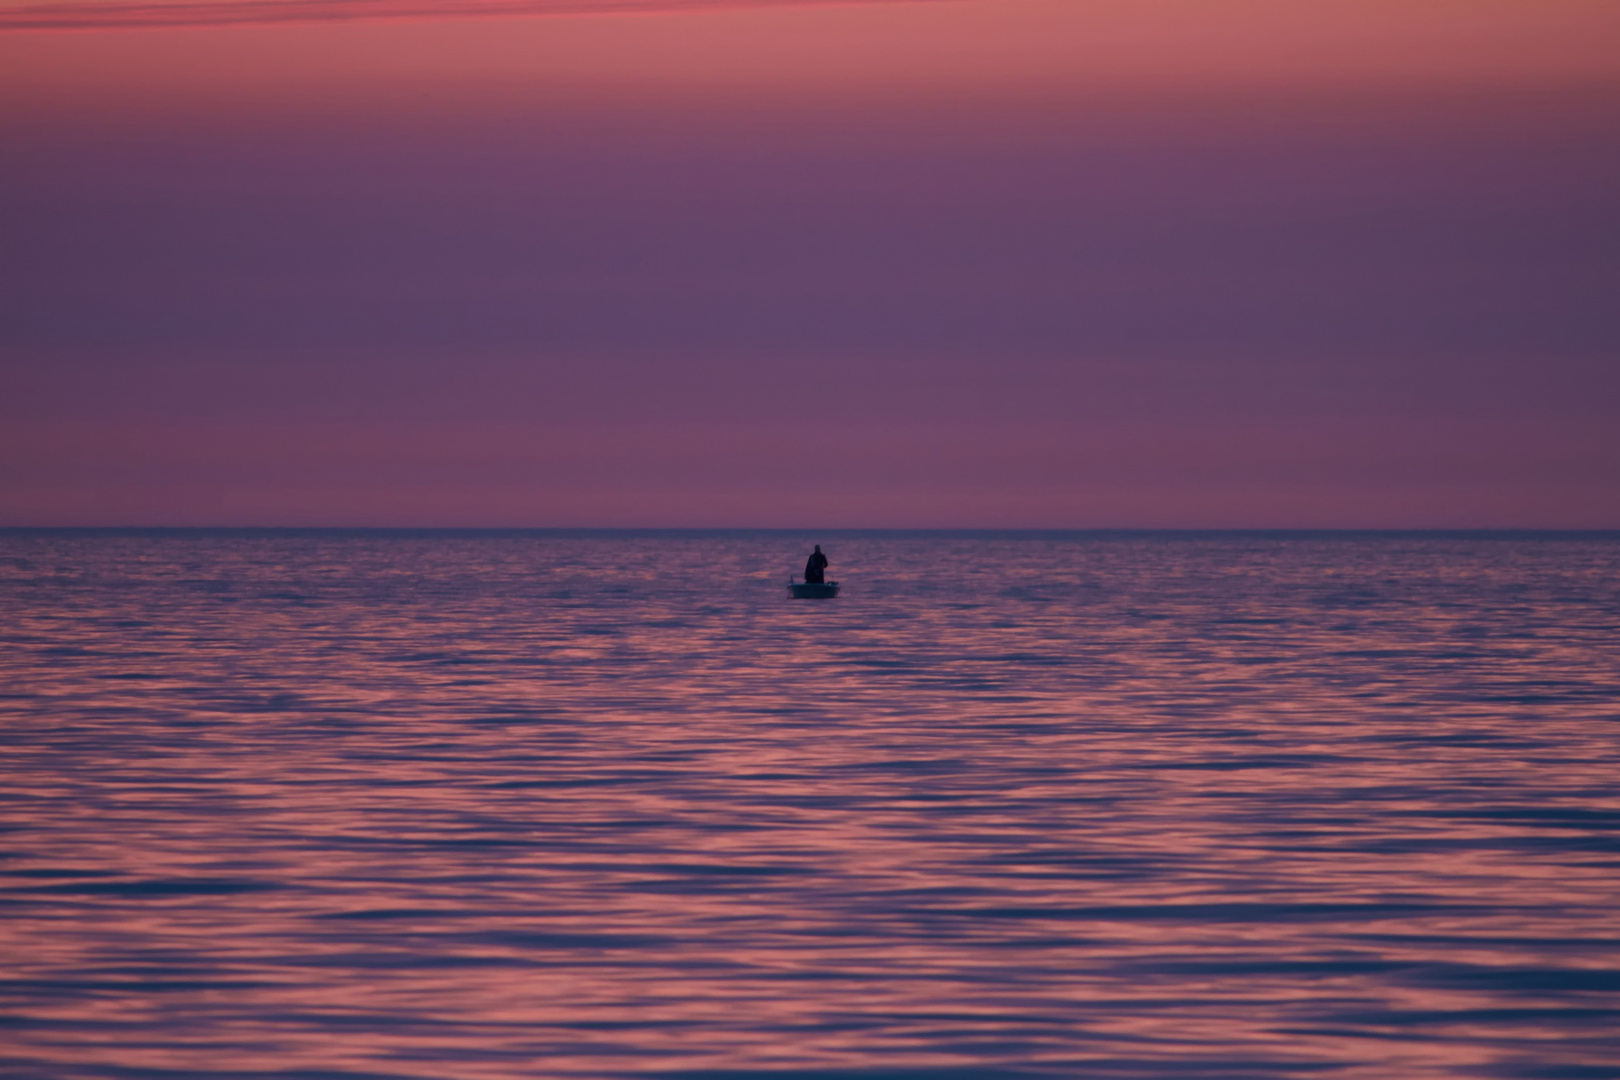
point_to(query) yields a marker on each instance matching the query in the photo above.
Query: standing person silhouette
(815, 571)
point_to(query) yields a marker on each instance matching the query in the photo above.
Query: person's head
(818, 548)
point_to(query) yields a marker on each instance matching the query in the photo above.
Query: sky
(902, 263)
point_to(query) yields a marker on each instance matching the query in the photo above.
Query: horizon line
(1456, 531)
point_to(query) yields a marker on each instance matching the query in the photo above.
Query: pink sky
(1224, 263)
(947, 46)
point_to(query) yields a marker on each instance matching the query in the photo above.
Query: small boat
(812, 590)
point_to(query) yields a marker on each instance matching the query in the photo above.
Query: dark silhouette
(815, 571)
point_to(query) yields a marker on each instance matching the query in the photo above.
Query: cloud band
(102, 14)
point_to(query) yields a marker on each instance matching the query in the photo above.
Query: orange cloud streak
(112, 14)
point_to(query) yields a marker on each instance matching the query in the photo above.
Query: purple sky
(429, 301)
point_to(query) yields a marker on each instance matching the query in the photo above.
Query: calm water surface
(602, 805)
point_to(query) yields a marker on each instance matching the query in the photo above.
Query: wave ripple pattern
(480, 806)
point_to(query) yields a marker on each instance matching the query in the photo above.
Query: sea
(452, 805)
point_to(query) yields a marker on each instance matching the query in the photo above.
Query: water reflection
(507, 805)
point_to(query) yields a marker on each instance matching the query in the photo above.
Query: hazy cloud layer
(656, 317)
